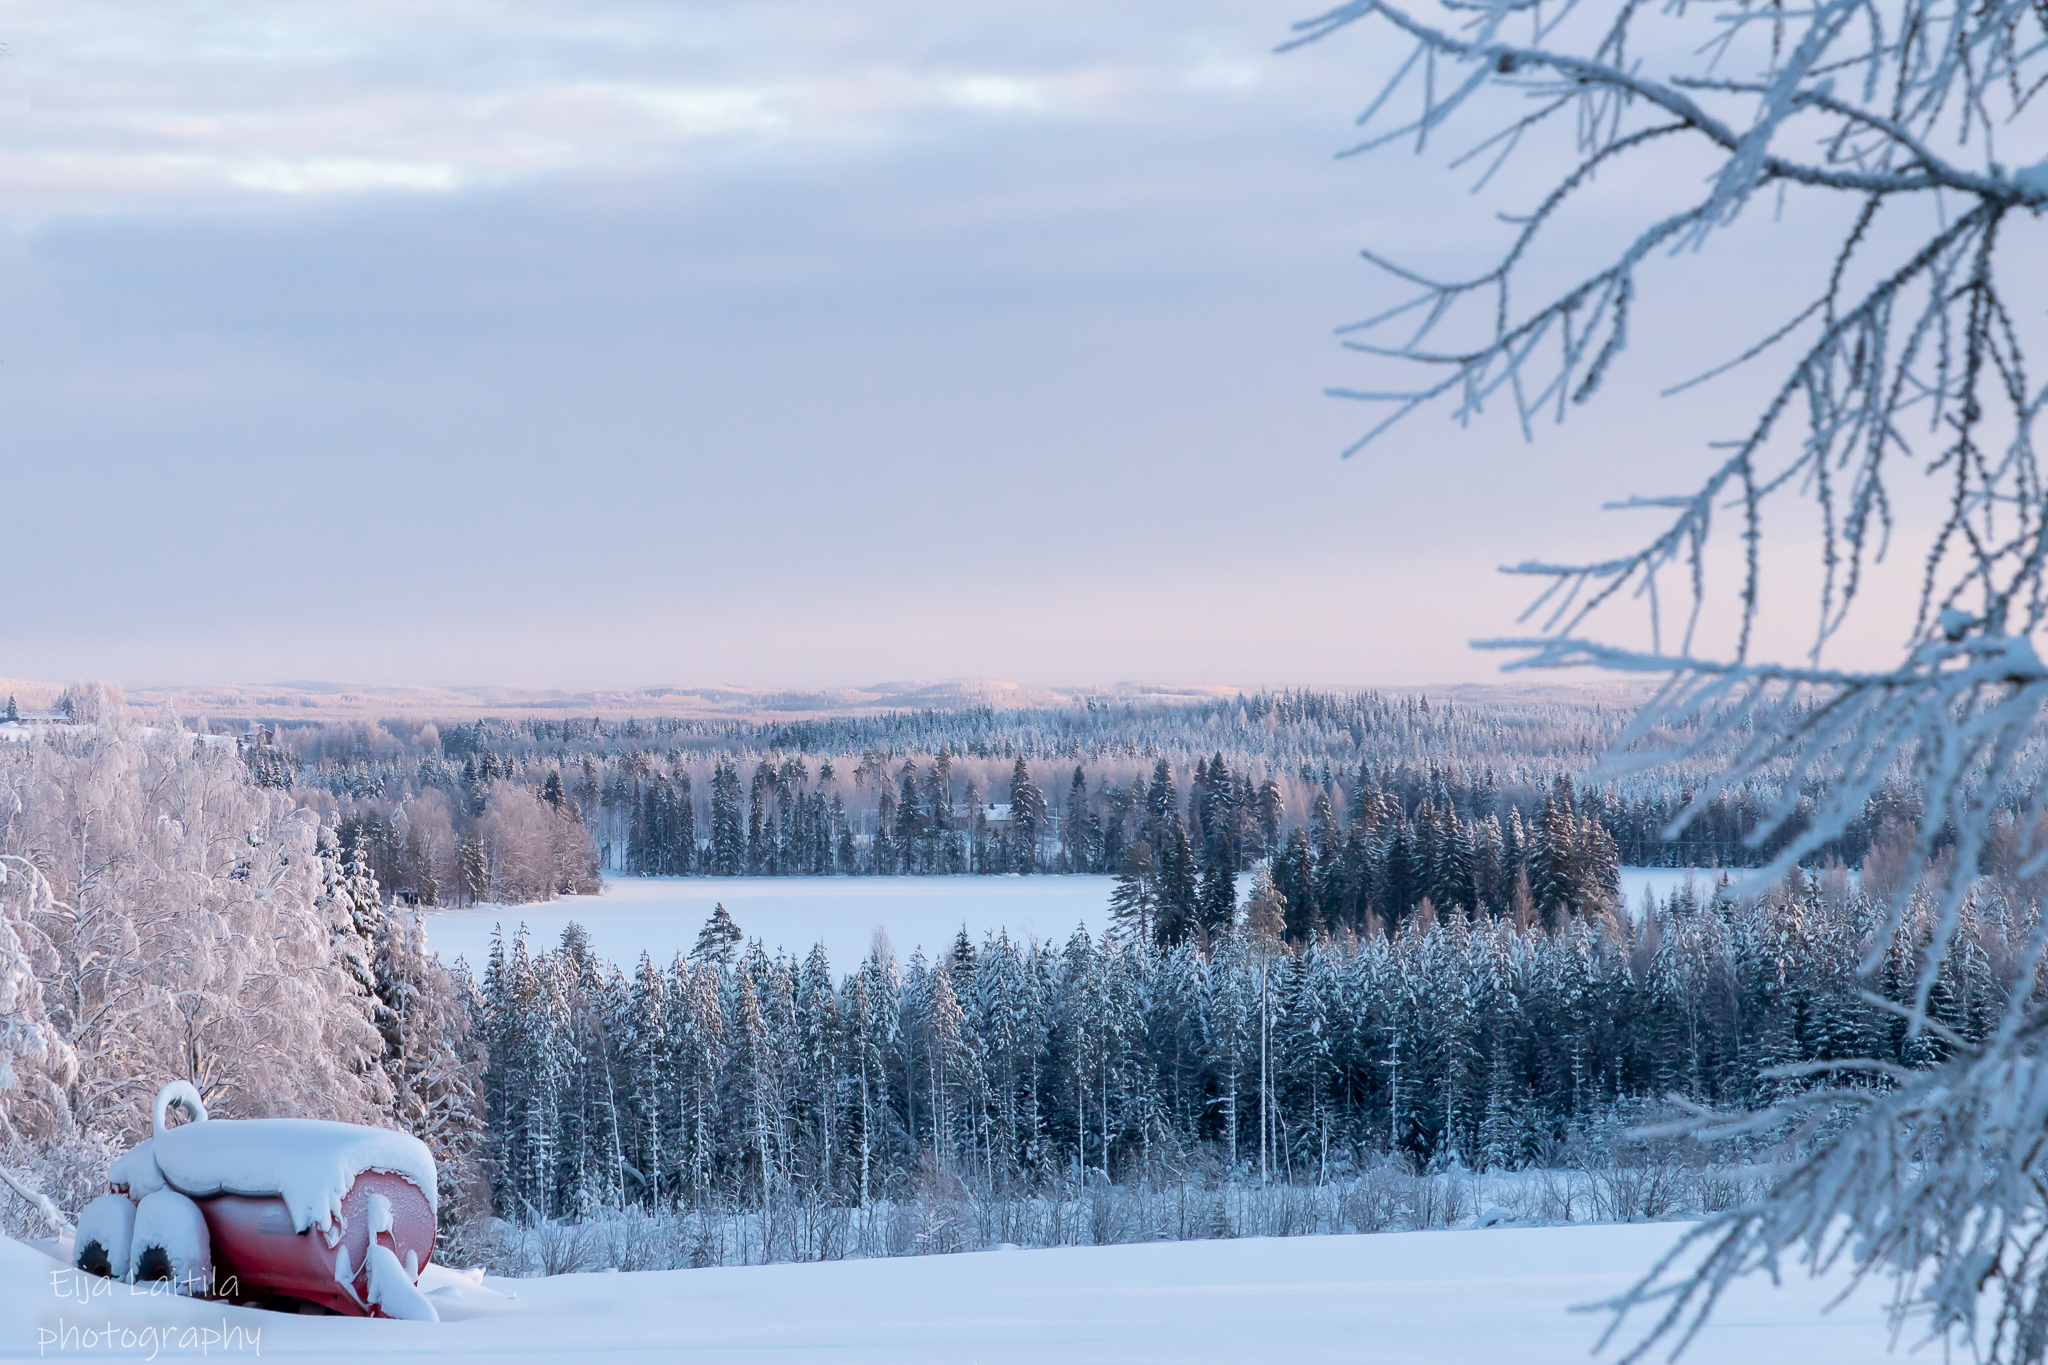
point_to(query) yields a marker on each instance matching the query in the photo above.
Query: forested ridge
(518, 809)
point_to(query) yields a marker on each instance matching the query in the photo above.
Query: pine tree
(719, 940)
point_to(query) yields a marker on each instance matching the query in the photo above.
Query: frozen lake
(661, 915)
(1663, 881)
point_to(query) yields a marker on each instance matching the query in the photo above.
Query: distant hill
(322, 701)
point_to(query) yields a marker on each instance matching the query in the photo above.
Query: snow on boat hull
(254, 1242)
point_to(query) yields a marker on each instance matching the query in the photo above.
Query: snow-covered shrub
(1378, 1198)
(1547, 1195)
(1643, 1186)
(634, 1239)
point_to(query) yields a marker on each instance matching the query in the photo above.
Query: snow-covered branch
(1898, 120)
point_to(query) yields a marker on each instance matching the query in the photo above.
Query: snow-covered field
(1444, 1298)
(663, 914)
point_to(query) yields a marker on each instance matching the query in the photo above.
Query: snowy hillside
(1445, 1298)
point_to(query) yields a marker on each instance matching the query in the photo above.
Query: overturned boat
(336, 1215)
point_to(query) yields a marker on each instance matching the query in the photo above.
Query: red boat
(337, 1215)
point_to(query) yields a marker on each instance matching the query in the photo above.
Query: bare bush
(1376, 1200)
(633, 1239)
(558, 1248)
(1438, 1201)
(1637, 1187)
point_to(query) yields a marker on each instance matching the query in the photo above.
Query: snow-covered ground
(1444, 1298)
(663, 914)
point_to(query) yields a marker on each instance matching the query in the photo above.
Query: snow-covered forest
(1364, 802)
(734, 1080)
(1409, 975)
(164, 915)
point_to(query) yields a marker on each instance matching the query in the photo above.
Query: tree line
(729, 1078)
(1067, 790)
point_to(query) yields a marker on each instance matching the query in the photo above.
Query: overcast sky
(781, 343)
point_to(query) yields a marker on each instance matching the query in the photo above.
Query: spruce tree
(1134, 900)
(1179, 889)
(728, 822)
(1074, 826)
(1027, 817)
(1217, 911)
(1162, 805)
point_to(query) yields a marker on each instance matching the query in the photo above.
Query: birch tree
(1896, 415)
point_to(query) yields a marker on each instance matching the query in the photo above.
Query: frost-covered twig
(40, 1202)
(1849, 98)
(1938, 1181)
(1901, 117)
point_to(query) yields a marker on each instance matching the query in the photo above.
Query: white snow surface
(309, 1163)
(661, 915)
(1423, 1298)
(170, 1221)
(392, 1290)
(136, 1170)
(110, 1221)
(1663, 882)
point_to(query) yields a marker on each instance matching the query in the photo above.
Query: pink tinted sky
(781, 343)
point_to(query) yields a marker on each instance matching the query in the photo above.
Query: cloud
(187, 102)
(786, 342)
